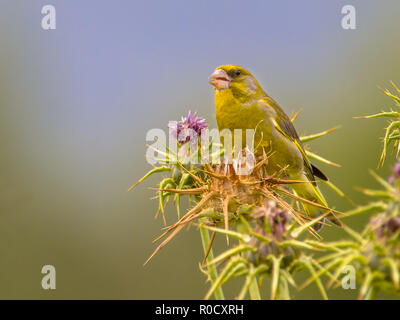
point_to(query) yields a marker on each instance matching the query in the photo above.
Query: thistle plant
(267, 233)
(375, 251)
(392, 134)
(257, 213)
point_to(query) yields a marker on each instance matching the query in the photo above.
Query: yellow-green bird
(241, 103)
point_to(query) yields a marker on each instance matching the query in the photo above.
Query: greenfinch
(241, 103)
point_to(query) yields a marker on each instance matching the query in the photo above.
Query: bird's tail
(311, 192)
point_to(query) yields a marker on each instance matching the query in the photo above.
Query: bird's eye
(237, 72)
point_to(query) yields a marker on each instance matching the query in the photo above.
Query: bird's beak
(220, 79)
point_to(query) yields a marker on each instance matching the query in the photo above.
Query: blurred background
(76, 103)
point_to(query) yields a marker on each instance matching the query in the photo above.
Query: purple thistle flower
(188, 128)
(395, 172)
(385, 227)
(278, 220)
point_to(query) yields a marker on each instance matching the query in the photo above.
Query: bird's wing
(285, 126)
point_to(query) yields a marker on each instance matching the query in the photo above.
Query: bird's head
(236, 79)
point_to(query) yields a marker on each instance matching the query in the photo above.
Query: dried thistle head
(253, 210)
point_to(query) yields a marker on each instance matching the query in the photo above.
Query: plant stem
(371, 294)
(254, 290)
(212, 270)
